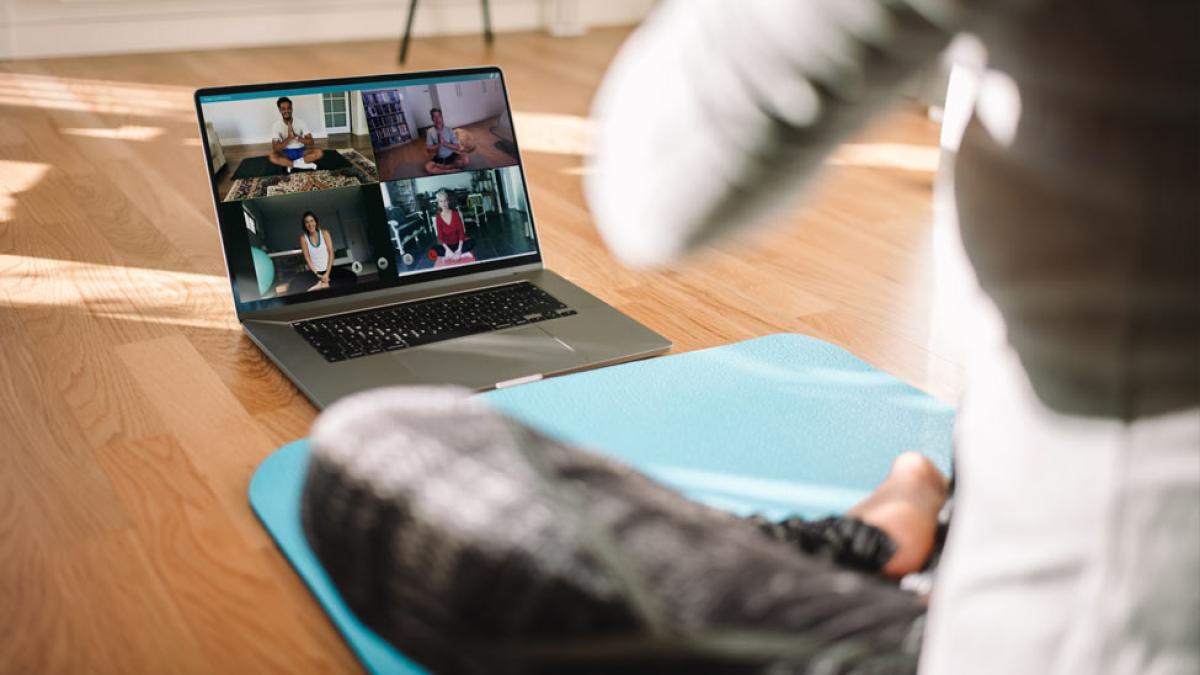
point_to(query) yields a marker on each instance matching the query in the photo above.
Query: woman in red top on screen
(453, 244)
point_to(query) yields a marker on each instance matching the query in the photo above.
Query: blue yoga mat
(779, 425)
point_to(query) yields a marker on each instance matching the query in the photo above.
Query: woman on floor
(478, 545)
(317, 245)
(453, 244)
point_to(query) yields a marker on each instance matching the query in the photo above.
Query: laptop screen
(342, 186)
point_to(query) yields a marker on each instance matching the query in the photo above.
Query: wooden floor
(133, 410)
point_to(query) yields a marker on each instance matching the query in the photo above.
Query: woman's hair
(449, 199)
(303, 229)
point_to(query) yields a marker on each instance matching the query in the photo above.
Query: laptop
(378, 231)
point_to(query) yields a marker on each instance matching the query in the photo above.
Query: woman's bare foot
(906, 506)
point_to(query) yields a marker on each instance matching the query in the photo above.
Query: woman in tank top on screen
(453, 243)
(317, 246)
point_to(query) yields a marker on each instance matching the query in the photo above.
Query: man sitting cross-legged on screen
(291, 140)
(442, 147)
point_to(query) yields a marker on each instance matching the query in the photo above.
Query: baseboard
(39, 28)
(7, 32)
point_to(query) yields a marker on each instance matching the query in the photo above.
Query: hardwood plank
(247, 614)
(114, 573)
(289, 422)
(34, 606)
(47, 467)
(213, 554)
(204, 416)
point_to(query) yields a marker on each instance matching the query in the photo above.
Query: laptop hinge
(390, 296)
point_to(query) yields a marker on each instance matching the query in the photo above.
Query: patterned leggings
(477, 545)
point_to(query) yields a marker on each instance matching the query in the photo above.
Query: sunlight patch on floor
(114, 291)
(17, 177)
(553, 133)
(96, 96)
(903, 156)
(121, 133)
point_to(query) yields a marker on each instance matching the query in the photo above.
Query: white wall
(450, 182)
(468, 102)
(417, 103)
(36, 28)
(513, 192)
(358, 115)
(250, 121)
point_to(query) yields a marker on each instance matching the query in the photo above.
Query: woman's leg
(301, 282)
(340, 277)
(477, 545)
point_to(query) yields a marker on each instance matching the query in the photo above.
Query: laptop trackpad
(488, 358)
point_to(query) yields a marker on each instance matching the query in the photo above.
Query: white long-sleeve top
(1080, 217)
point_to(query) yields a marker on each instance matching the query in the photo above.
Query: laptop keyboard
(386, 329)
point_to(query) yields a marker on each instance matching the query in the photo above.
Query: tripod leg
(487, 23)
(412, 11)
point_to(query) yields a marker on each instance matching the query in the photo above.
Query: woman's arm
(715, 112)
(437, 231)
(456, 146)
(304, 249)
(431, 146)
(329, 252)
(461, 230)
